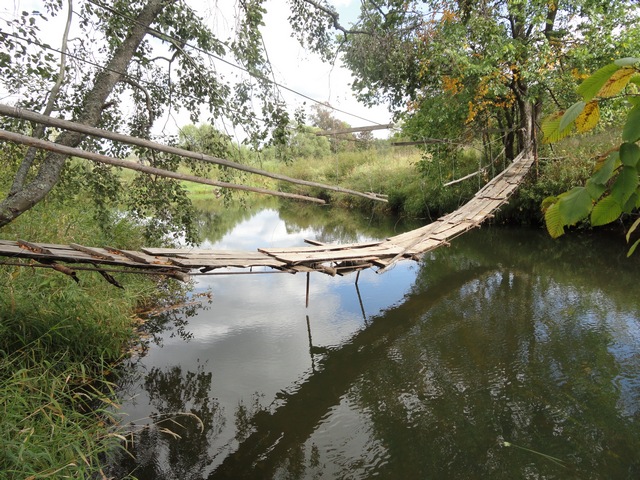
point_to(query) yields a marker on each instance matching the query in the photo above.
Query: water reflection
(424, 372)
(175, 440)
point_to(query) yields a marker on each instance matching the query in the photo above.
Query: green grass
(59, 341)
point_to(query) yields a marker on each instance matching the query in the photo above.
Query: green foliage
(613, 188)
(323, 119)
(169, 56)
(452, 68)
(59, 341)
(304, 143)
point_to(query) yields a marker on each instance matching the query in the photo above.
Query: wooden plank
(11, 248)
(215, 256)
(65, 255)
(333, 246)
(319, 248)
(139, 257)
(92, 252)
(33, 247)
(187, 252)
(295, 258)
(235, 262)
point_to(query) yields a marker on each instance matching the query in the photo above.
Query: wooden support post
(313, 364)
(308, 276)
(364, 315)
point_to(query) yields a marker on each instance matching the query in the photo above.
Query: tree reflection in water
(186, 419)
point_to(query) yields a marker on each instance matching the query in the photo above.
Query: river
(506, 355)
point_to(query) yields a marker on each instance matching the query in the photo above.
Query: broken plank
(139, 257)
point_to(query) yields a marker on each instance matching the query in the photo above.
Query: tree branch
(27, 161)
(334, 17)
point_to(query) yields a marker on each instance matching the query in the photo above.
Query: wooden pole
(118, 137)
(355, 130)
(308, 277)
(96, 157)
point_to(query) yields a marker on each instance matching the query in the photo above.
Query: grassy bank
(58, 342)
(415, 182)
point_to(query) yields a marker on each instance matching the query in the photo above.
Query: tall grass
(412, 180)
(59, 341)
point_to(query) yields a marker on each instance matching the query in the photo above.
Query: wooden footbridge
(317, 257)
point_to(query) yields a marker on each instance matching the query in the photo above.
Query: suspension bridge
(331, 259)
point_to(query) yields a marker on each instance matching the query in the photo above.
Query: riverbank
(426, 185)
(58, 344)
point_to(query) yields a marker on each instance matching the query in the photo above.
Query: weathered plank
(265, 261)
(320, 248)
(365, 254)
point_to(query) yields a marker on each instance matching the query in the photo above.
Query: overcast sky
(305, 72)
(300, 70)
(293, 67)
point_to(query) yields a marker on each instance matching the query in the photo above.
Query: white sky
(293, 67)
(301, 70)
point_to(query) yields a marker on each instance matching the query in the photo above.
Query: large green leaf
(631, 203)
(605, 211)
(625, 184)
(574, 205)
(592, 85)
(595, 189)
(629, 154)
(631, 129)
(553, 221)
(570, 115)
(605, 170)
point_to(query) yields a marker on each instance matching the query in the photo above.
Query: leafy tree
(614, 188)
(304, 143)
(323, 118)
(124, 65)
(489, 66)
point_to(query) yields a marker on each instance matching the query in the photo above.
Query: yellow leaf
(616, 82)
(589, 117)
(551, 128)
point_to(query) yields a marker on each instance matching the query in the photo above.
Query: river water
(506, 355)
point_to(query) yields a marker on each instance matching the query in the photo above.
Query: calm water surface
(507, 355)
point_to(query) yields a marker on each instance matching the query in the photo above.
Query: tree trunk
(509, 137)
(527, 124)
(49, 172)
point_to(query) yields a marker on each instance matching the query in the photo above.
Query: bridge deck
(330, 259)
